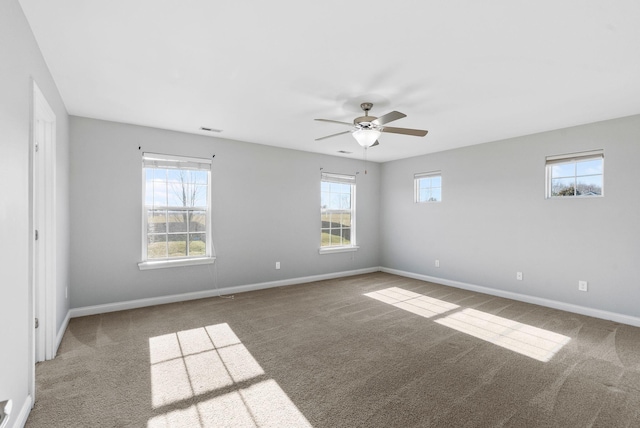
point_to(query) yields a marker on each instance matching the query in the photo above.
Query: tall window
(427, 187)
(338, 211)
(177, 208)
(578, 174)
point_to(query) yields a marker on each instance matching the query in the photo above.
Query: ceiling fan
(367, 129)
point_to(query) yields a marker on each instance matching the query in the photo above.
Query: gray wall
(494, 219)
(20, 63)
(265, 209)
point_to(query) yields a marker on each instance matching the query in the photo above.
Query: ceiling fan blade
(377, 143)
(389, 117)
(405, 131)
(332, 135)
(334, 121)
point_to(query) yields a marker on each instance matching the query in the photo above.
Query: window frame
(340, 179)
(575, 159)
(181, 163)
(416, 186)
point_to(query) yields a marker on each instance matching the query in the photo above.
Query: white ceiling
(468, 71)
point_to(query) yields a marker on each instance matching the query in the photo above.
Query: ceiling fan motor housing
(364, 122)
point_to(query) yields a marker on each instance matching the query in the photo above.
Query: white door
(43, 255)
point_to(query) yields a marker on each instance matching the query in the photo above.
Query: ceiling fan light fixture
(366, 137)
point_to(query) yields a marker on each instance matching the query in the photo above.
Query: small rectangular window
(177, 208)
(428, 186)
(337, 211)
(575, 175)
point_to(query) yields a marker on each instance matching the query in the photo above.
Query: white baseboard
(152, 301)
(569, 307)
(61, 331)
(21, 419)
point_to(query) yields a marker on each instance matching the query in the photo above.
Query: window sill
(331, 250)
(160, 264)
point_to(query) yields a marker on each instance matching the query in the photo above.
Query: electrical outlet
(582, 285)
(519, 276)
(277, 265)
(438, 263)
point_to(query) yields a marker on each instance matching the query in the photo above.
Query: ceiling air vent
(203, 128)
(344, 152)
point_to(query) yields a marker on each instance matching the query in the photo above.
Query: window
(177, 214)
(428, 186)
(578, 174)
(338, 212)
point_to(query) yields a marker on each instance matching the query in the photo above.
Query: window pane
(345, 219)
(336, 240)
(590, 186)
(563, 170)
(200, 196)
(201, 177)
(324, 186)
(325, 238)
(177, 221)
(156, 221)
(159, 174)
(334, 203)
(177, 245)
(197, 244)
(424, 195)
(591, 167)
(325, 219)
(346, 236)
(159, 192)
(436, 194)
(197, 221)
(335, 187)
(148, 183)
(156, 246)
(174, 196)
(188, 194)
(175, 175)
(345, 201)
(424, 183)
(563, 187)
(324, 199)
(436, 181)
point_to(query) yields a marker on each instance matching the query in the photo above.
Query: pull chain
(365, 160)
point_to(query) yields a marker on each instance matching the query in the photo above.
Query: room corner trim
(554, 304)
(161, 300)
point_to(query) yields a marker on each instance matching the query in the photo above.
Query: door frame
(43, 219)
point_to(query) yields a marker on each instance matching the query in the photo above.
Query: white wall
(20, 63)
(494, 219)
(266, 208)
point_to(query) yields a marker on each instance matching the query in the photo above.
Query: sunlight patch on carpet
(413, 302)
(191, 363)
(524, 339)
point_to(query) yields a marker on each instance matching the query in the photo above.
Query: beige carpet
(373, 350)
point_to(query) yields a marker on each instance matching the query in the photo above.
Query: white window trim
(416, 187)
(192, 163)
(343, 249)
(571, 158)
(159, 264)
(347, 179)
